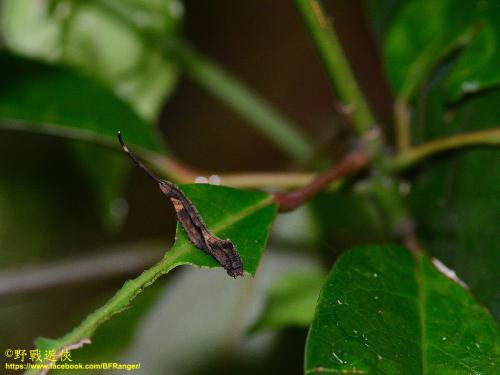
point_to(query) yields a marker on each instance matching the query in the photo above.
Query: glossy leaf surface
(384, 311)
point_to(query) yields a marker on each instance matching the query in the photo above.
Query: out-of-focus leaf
(381, 14)
(297, 230)
(116, 41)
(348, 219)
(456, 198)
(46, 209)
(107, 171)
(383, 311)
(456, 203)
(24, 218)
(291, 302)
(47, 99)
(477, 68)
(243, 217)
(411, 51)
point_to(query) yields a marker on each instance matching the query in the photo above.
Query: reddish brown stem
(352, 163)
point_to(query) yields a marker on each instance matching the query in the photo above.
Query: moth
(223, 251)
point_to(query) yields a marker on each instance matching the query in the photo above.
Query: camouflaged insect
(223, 251)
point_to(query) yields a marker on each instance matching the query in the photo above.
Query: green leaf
(412, 51)
(51, 100)
(477, 68)
(455, 198)
(349, 219)
(105, 39)
(291, 302)
(383, 311)
(244, 217)
(107, 171)
(381, 14)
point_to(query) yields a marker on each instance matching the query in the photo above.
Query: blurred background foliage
(101, 65)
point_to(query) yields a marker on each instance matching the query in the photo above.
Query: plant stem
(383, 186)
(414, 155)
(264, 180)
(353, 162)
(336, 64)
(402, 125)
(119, 301)
(249, 105)
(181, 173)
(170, 167)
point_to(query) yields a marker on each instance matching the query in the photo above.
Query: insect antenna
(136, 160)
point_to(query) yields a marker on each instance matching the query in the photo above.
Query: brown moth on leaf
(223, 251)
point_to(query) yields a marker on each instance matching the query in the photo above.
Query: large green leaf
(383, 311)
(412, 51)
(456, 202)
(47, 99)
(243, 217)
(456, 198)
(104, 38)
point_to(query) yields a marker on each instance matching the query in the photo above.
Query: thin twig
(402, 125)
(271, 180)
(352, 163)
(414, 155)
(184, 174)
